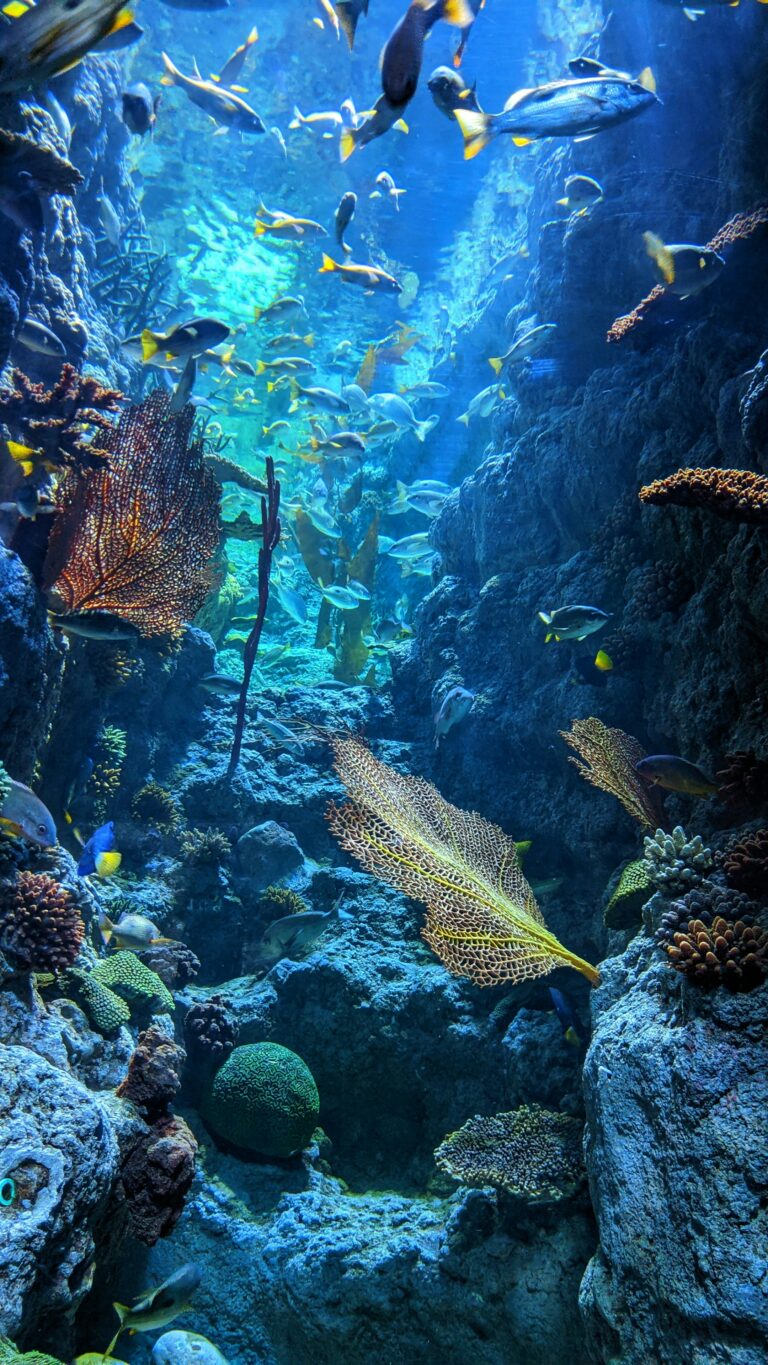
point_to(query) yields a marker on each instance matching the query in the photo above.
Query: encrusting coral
(263, 1099)
(745, 863)
(106, 1011)
(734, 494)
(155, 805)
(606, 759)
(725, 953)
(40, 924)
(674, 862)
(632, 890)
(482, 918)
(135, 538)
(56, 421)
(532, 1153)
(137, 984)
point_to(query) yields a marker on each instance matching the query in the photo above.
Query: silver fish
(25, 814)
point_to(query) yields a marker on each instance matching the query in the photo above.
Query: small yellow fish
(603, 661)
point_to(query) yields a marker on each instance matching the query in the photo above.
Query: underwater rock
(267, 853)
(156, 1173)
(154, 1074)
(30, 669)
(676, 1091)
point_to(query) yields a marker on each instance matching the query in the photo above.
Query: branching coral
(133, 284)
(204, 847)
(56, 421)
(532, 1153)
(745, 863)
(606, 759)
(155, 805)
(482, 918)
(706, 902)
(40, 925)
(104, 782)
(734, 955)
(674, 862)
(733, 494)
(736, 229)
(744, 781)
(136, 538)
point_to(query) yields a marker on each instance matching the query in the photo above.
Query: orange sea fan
(606, 759)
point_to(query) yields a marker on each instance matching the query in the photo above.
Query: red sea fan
(135, 538)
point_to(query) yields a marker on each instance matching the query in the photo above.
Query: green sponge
(633, 889)
(137, 984)
(105, 1010)
(264, 1099)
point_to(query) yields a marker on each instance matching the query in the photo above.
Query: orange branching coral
(722, 954)
(607, 759)
(56, 421)
(40, 925)
(734, 494)
(482, 918)
(735, 230)
(136, 538)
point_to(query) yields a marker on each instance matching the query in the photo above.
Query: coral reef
(633, 888)
(55, 422)
(204, 847)
(10, 1356)
(173, 962)
(154, 805)
(673, 862)
(706, 902)
(138, 985)
(734, 494)
(40, 923)
(156, 1175)
(531, 1153)
(24, 162)
(277, 901)
(154, 1074)
(483, 921)
(725, 953)
(209, 1033)
(263, 1099)
(745, 863)
(105, 1009)
(606, 759)
(153, 512)
(104, 782)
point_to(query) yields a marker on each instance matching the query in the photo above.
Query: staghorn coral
(56, 421)
(154, 1073)
(155, 805)
(741, 226)
(40, 925)
(531, 1153)
(733, 955)
(263, 1099)
(174, 962)
(607, 759)
(745, 863)
(674, 862)
(744, 781)
(632, 890)
(209, 1033)
(106, 1011)
(204, 847)
(134, 982)
(136, 538)
(156, 1176)
(733, 494)
(482, 918)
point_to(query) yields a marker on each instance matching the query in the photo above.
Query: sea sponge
(263, 1099)
(154, 805)
(734, 955)
(745, 863)
(632, 890)
(674, 862)
(40, 925)
(105, 1010)
(532, 1153)
(137, 984)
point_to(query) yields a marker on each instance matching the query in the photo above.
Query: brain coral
(533, 1153)
(264, 1099)
(142, 988)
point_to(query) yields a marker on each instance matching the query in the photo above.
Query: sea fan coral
(482, 918)
(674, 862)
(531, 1153)
(745, 863)
(136, 538)
(56, 420)
(734, 955)
(607, 759)
(40, 925)
(733, 494)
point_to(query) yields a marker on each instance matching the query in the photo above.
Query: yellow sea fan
(482, 918)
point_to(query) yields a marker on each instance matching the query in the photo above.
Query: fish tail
(464, 419)
(496, 363)
(661, 255)
(647, 78)
(328, 265)
(313, 443)
(477, 130)
(259, 228)
(253, 37)
(347, 143)
(106, 929)
(458, 13)
(257, 312)
(260, 367)
(150, 344)
(172, 72)
(309, 339)
(298, 118)
(270, 389)
(107, 863)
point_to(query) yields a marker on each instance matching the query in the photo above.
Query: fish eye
(41, 829)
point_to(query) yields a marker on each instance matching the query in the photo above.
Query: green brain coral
(136, 983)
(632, 890)
(105, 1010)
(264, 1099)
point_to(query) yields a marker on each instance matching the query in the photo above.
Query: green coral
(279, 901)
(134, 982)
(632, 890)
(105, 1010)
(263, 1099)
(10, 1356)
(5, 788)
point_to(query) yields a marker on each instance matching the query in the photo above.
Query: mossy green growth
(135, 983)
(263, 1099)
(632, 890)
(105, 1010)
(10, 1356)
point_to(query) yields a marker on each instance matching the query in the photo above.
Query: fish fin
(464, 419)
(106, 927)
(122, 20)
(239, 89)
(257, 312)
(647, 80)
(564, 202)
(15, 9)
(172, 73)
(571, 1036)
(260, 367)
(476, 129)
(545, 617)
(524, 141)
(259, 229)
(328, 265)
(401, 126)
(662, 256)
(107, 863)
(150, 345)
(496, 363)
(347, 143)
(458, 13)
